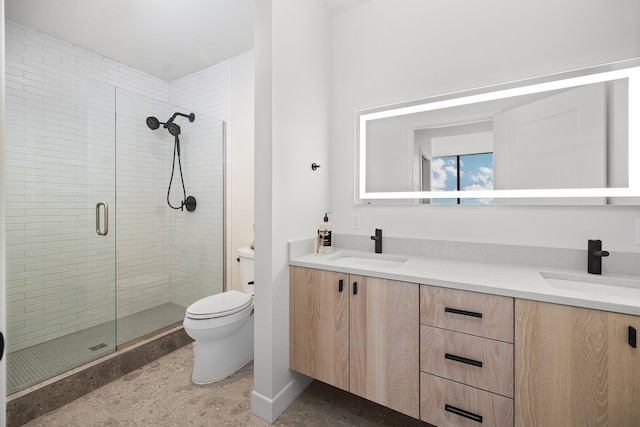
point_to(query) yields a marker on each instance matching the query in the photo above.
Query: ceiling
(164, 38)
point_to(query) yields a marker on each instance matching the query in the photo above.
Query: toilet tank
(245, 257)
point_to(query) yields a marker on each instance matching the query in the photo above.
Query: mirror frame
(624, 69)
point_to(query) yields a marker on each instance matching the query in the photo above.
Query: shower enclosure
(96, 260)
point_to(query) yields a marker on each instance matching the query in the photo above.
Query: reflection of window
(469, 172)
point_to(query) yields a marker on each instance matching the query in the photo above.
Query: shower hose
(176, 149)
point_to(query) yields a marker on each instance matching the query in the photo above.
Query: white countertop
(519, 281)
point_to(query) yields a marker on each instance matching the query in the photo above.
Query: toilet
(222, 327)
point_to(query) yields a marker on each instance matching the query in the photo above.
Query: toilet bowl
(222, 327)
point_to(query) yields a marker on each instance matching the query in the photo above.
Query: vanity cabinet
(576, 366)
(459, 358)
(466, 358)
(360, 334)
(319, 325)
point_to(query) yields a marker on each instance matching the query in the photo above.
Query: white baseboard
(270, 409)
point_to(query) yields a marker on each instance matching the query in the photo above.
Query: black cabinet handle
(463, 312)
(340, 285)
(470, 415)
(1, 345)
(355, 288)
(463, 360)
(632, 337)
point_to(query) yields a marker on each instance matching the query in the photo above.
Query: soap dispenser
(325, 230)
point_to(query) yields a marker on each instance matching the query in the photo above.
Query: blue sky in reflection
(476, 173)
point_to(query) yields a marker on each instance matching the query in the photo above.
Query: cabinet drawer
(476, 361)
(474, 313)
(447, 403)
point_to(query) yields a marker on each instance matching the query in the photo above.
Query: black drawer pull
(355, 288)
(340, 285)
(463, 360)
(463, 312)
(470, 415)
(632, 337)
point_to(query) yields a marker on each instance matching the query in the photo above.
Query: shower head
(173, 128)
(153, 123)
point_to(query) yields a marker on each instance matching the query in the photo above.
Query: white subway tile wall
(196, 249)
(66, 123)
(143, 229)
(209, 91)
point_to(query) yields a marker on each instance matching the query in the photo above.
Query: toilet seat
(219, 305)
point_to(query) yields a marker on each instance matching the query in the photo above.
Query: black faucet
(594, 256)
(378, 240)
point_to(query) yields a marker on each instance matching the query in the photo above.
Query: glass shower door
(166, 258)
(60, 220)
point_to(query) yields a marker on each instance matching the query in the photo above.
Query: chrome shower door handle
(106, 219)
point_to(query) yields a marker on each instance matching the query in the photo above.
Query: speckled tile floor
(161, 394)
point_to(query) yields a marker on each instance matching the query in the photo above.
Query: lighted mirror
(561, 139)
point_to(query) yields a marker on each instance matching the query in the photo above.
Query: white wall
(241, 153)
(225, 91)
(3, 362)
(196, 243)
(143, 221)
(59, 134)
(207, 92)
(388, 51)
(50, 116)
(197, 256)
(292, 121)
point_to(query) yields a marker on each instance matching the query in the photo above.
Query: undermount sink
(374, 260)
(593, 284)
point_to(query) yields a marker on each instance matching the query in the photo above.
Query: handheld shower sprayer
(153, 123)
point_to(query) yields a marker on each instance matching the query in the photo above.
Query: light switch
(355, 220)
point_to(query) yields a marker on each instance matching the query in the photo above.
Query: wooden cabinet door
(385, 336)
(575, 367)
(623, 365)
(319, 325)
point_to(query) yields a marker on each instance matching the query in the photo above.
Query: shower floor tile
(148, 321)
(42, 361)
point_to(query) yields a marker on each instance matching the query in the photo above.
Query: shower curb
(33, 402)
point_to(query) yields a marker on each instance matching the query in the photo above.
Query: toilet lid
(219, 305)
